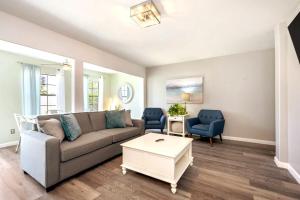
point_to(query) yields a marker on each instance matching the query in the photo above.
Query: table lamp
(185, 97)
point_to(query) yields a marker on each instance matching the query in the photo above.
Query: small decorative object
(145, 14)
(187, 90)
(176, 109)
(160, 140)
(125, 93)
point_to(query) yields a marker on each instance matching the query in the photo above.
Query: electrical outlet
(12, 131)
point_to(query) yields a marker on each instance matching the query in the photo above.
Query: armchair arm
(163, 120)
(40, 157)
(139, 123)
(191, 122)
(216, 127)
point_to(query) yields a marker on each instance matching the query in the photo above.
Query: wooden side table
(177, 118)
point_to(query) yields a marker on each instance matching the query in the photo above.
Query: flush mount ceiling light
(145, 14)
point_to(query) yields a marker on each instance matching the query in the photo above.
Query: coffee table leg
(173, 188)
(191, 164)
(123, 170)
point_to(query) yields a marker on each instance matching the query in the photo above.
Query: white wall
(293, 91)
(19, 31)
(136, 105)
(10, 93)
(112, 83)
(281, 103)
(242, 86)
(288, 121)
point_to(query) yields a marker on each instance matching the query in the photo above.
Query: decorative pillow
(115, 119)
(127, 118)
(70, 126)
(52, 127)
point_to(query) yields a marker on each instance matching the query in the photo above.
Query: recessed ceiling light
(145, 14)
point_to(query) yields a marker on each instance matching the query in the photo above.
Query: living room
(122, 73)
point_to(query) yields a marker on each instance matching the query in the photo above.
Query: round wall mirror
(125, 93)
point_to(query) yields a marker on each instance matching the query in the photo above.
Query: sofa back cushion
(97, 120)
(207, 116)
(84, 122)
(151, 114)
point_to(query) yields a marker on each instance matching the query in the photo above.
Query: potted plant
(176, 109)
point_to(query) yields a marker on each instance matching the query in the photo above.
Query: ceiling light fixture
(145, 14)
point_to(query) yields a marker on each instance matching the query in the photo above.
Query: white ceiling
(189, 29)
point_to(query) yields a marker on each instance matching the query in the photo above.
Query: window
(48, 94)
(93, 94)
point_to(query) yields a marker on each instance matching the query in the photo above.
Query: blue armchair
(154, 119)
(209, 123)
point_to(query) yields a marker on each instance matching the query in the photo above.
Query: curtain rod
(20, 62)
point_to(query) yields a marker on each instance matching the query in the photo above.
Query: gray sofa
(48, 161)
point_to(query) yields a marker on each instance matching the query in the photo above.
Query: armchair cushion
(152, 114)
(153, 122)
(207, 116)
(203, 127)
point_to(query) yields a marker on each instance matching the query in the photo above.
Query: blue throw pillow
(115, 119)
(71, 127)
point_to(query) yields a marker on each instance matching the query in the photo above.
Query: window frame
(91, 90)
(47, 89)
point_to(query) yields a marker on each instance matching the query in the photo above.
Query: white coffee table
(165, 160)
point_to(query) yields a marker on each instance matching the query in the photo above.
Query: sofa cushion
(52, 127)
(203, 127)
(153, 122)
(120, 134)
(97, 120)
(127, 118)
(85, 144)
(84, 122)
(115, 119)
(71, 127)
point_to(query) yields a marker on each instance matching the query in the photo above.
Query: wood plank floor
(232, 170)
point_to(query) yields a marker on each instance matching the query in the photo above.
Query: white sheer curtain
(85, 93)
(100, 97)
(30, 89)
(60, 91)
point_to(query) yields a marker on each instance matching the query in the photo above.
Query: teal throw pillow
(115, 119)
(71, 127)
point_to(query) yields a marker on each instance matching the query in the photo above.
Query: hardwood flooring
(232, 170)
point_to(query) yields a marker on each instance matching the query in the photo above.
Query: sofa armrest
(139, 123)
(216, 127)
(40, 157)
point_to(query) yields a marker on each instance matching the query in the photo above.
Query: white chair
(20, 120)
(23, 123)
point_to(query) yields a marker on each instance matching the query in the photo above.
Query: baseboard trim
(8, 144)
(280, 164)
(294, 173)
(268, 142)
(289, 167)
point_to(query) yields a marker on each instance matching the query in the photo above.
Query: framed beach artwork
(185, 90)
